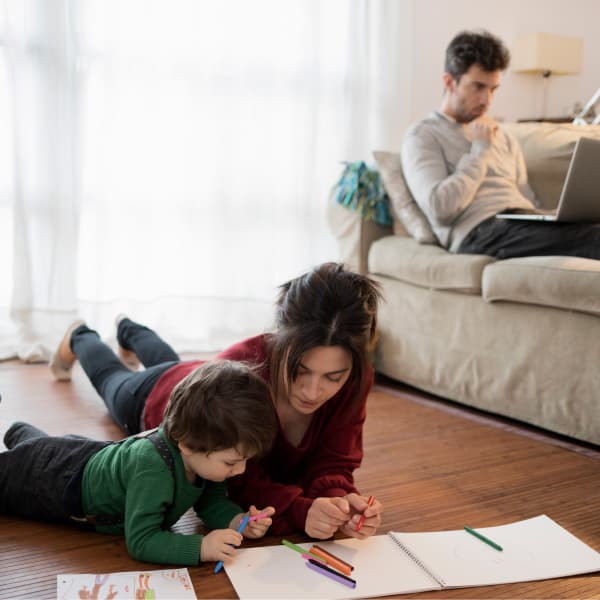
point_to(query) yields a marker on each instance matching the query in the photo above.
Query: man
(463, 168)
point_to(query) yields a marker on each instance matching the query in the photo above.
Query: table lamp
(547, 54)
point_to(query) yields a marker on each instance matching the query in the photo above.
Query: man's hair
(328, 306)
(220, 405)
(475, 47)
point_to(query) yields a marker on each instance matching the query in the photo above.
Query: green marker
(483, 538)
(300, 549)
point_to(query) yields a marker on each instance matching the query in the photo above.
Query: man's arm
(442, 196)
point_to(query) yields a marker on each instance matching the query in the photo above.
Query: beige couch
(517, 337)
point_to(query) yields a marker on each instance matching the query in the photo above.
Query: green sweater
(131, 479)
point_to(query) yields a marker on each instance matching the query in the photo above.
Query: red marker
(362, 517)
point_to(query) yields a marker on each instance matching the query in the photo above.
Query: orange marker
(333, 561)
(362, 517)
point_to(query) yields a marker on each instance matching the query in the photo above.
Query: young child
(217, 417)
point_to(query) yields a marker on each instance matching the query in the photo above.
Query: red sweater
(287, 478)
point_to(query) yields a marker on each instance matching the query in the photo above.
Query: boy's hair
(220, 405)
(328, 306)
(475, 47)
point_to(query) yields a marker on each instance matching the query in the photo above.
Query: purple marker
(324, 570)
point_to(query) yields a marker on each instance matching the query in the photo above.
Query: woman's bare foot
(62, 361)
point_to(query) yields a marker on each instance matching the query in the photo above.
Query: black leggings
(124, 391)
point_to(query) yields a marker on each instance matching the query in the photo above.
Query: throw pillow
(404, 208)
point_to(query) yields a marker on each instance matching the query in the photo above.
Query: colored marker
(239, 530)
(308, 556)
(257, 517)
(299, 549)
(325, 570)
(483, 538)
(361, 521)
(332, 561)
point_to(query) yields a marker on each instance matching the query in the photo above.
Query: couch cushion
(547, 148)
(404, 209)
(559, 281)
(427, 266)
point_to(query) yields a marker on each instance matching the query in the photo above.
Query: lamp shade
(547, 53)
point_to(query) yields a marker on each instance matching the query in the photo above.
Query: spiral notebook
(402, 563)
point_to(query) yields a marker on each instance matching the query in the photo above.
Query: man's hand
(219, 545)
(326, 516)
(358, 507)
(484, 128)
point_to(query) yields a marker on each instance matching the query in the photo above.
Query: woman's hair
(221, 405)
(328, 306)
(475, 47)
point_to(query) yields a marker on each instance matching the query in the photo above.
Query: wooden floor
(433, 465)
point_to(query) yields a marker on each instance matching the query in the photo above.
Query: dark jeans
(504, 238)
(40, 475)
(124, 391)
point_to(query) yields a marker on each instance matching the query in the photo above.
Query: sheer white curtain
(172, 158)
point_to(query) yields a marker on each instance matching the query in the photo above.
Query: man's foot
(62, 361)
(128, 357)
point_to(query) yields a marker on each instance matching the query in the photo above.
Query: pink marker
(257, 517)
(309, 556)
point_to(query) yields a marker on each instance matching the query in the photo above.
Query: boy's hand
(219, 545)
(254, 529)
(258, 528)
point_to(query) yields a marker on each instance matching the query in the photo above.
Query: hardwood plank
(433, 464)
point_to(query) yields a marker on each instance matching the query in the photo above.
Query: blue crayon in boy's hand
(240, 529)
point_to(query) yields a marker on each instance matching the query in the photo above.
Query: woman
(316, 362)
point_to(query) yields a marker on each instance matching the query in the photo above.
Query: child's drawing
(145, 585)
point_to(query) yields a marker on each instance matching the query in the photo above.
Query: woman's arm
(256, 487)
(333, 450)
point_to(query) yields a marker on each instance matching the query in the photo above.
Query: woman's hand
(358, 506)
(219, 545)
(258, 528)
(326, 516)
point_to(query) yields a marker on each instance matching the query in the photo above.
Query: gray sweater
(458, 183)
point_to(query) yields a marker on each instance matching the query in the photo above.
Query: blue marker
(239, 530)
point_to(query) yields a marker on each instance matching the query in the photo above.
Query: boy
(217, 418)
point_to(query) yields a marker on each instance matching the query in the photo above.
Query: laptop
(580, 197)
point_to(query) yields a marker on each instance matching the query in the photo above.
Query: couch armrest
(354, 235)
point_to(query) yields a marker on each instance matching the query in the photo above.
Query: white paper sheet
(160, 585)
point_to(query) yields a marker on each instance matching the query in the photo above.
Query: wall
(436, 21)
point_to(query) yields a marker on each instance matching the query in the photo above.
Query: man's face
(470, 97)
